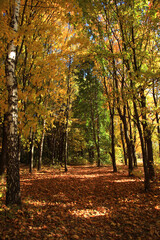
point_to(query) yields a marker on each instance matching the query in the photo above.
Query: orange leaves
(53, 208)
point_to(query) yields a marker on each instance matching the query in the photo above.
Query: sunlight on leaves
(88, 213)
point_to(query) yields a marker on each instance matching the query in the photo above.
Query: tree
(13, 180)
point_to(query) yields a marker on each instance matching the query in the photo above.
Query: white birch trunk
(13, 180)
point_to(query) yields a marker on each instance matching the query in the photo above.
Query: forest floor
(85, 203)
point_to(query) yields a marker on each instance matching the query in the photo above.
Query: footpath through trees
(84, 203)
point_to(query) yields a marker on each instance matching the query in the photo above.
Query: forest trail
(85, 203)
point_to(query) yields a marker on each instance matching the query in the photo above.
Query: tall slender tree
(13, 195)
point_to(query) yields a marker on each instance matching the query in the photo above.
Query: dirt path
(85, 203)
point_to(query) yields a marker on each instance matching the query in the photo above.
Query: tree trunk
(134, 143)
(41, 148)
(98, 131)
(67, 114)
(31, 154)
(13, 195)
(113, 141)
(123, 145)
(66, 148)
(147, 137)
(61, 145)
(134, 159)
(129, 149)
(98, 143)
(146, 172)
(150, 155)
(3, 159)
(91, 154)
(54, 149)
(111, 110)
(155, 98)
(143, 109)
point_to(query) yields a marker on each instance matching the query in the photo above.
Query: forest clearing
(85, 203)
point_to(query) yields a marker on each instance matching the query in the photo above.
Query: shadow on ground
(84, 203)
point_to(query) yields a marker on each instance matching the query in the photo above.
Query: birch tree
(13, 180)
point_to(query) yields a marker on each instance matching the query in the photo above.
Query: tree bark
(155, 98)
(31, 153)
(13, 195)
(150, 155)
(41, 148)
(3, 159)
(123, 145)
(147, 137)
(98, 129)
(111, 110)
(67, 116)
(113, 140)
(146, 172)
(134, 159)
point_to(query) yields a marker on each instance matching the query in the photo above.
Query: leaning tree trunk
(13, 195)
(123, 144)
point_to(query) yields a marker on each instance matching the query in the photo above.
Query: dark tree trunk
(111, 110)
(134, 159)
(95, 135)
(31, 153)
(66, 137)
(113, 141)
(147, 137)
(129, 148)
(41, 148)
(61, 145)
(98, 139)
(150, 155)
(91, 154)
(13, 195)
(144, 155)
(66, 150)
(122, 115)
(155, 98)
(123, 145)
(143, 109)
(3, 159)
(53, 148)
(134, 143)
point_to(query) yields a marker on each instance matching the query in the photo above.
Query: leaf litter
(84, 203)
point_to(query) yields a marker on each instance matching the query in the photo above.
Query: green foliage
(88, 108)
